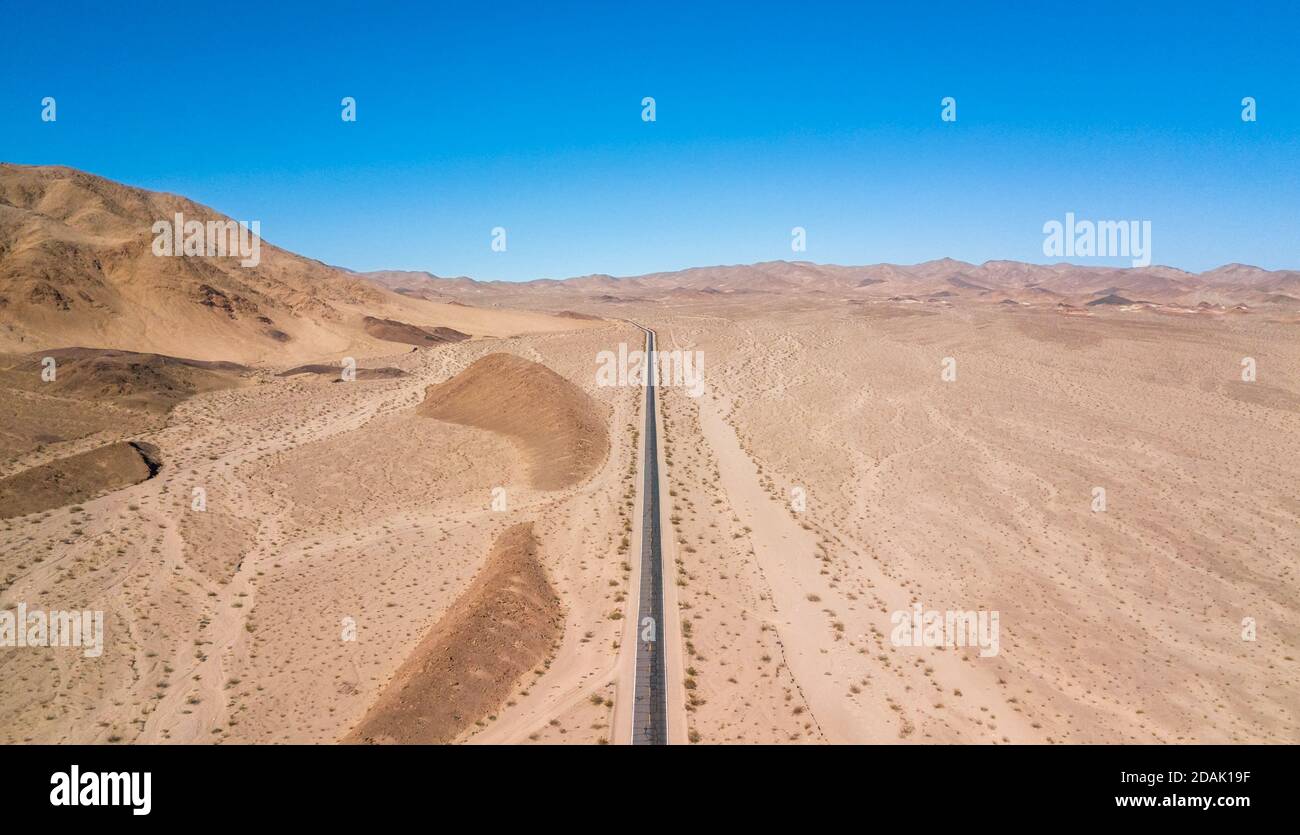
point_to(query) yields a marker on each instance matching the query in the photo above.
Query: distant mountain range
(78, 269)
(945, 278)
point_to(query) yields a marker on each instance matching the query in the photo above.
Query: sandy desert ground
(976, 494)
(330, 500)
(325, 501)
(443, 549)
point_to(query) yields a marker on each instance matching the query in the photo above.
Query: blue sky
(769, 116)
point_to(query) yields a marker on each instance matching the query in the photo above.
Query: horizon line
(720, 266)
(299, 253)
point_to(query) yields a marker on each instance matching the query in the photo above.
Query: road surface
(650, 703)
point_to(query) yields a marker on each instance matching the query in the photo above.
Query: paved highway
(650, 704)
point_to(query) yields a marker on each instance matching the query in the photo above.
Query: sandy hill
(94, 390)
(558, 427)
(151, 382)
(505, 624)
(334, 372)
(392, 331)
(1110, 298)
(77, 267)
(77, 478)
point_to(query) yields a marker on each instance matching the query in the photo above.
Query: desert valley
(319, 505)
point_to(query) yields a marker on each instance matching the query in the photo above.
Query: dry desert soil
(443, 546)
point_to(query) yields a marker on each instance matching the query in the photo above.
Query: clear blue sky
(770, 115)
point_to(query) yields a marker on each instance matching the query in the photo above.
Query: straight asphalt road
(650, 702)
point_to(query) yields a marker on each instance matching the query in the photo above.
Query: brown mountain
(78, 268)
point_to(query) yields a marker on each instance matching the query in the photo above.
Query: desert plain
(321, 506)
